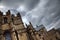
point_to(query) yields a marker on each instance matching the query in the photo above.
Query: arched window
(5, 20)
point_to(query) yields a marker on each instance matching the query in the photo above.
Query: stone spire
(31, 26)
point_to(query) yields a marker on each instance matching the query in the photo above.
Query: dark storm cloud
(11, 3)
(31, 3)
(48, 12)
(0, 0)
(16, 3)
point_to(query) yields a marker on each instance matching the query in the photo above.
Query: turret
(12, 15)
(31, 26)
(1, 14)
(18, 15)
(8, 12)
(8, 16)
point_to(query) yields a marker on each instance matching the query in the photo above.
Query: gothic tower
(12, 25)
(19, 28)
(5, 24)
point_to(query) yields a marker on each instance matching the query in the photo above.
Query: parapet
(9, 13)
(9, 17)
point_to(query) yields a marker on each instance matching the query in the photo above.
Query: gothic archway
(7, 35)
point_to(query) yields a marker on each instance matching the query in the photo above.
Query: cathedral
(12, 28)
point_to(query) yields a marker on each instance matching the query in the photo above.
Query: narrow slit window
(5, 20)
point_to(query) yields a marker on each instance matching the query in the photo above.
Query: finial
(18, 14)
(8, 12)
(31, 25)
(12, 15)
(1, 13)
(30, 22)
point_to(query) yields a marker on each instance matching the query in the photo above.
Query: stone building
(12, 25)
(12, 28)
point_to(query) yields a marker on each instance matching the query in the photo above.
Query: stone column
(13, 36)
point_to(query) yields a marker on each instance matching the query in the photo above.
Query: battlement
(9, 13)
(9, 17)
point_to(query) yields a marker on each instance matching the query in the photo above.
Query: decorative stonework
(17, 31)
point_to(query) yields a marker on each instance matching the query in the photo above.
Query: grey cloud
(12, 3)
(48, 12)
(31, 3)
(16, 3)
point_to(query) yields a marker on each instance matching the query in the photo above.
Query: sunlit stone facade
(12, 28)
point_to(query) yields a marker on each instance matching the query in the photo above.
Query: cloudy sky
(46, 12)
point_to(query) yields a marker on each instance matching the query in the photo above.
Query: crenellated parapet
(9, 17)
(9, 20)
